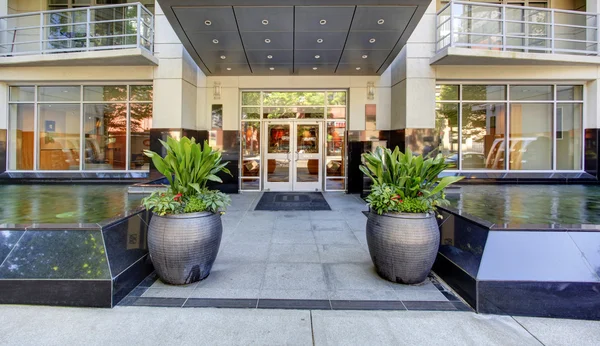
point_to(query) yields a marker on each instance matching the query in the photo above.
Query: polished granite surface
(542, 205)
(64, 204)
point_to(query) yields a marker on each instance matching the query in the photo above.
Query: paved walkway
(29, 325)
(321, 256)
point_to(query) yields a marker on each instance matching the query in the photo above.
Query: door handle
(297, 156)
(287, 155)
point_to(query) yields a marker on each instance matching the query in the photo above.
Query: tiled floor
(305, 259)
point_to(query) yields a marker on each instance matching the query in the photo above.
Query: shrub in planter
(185, 231)
(402, 232)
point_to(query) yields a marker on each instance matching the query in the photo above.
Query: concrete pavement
(33, 325)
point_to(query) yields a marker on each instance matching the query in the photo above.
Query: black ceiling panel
(278, 70)
(375, 57)
(395, 18)
(309, 70)
(278, 18)
(331, 40)
(230, 69)
(218, 40)
(385, 40)
(276, 40)
(194, 19)
(214, 57)
(350, 69)
(317, 56)
(264, 57)
(310, 18)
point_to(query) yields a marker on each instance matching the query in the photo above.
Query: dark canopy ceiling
(293, 37)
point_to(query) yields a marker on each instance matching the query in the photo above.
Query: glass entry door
(293, 156)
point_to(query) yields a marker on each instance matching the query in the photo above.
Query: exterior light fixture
(265, 22)
(269, 57)
(358, 69)
(223, 57)
(272, 68)
(319, 40)
(207, 22)
(317, 56)
(217, 91)
(381, 21)
(372, 40)
(215, 41)
(365, 56)
(322, 22)
(370, 91)
(267, 40)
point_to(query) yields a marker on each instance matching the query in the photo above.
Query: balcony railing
(77, 30)
(516, 29)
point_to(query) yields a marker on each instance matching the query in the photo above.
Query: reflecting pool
(26, 204)
(530, 204)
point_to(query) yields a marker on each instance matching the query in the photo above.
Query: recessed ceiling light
(267, 40)
(372, 40)
(269, 57)
(365, 56)
(265, 22)
(322, 22)
(317, 56)
(314, 68)
(272, 68)
(229, 69)
(207, 22)
(381, 21)
(319, 40)
(215, 41)
(223, 57)
(358, 69)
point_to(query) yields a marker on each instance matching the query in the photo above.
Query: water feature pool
(57, 203)
(530, 204)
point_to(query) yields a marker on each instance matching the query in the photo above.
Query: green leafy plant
(215, 201)
(163, 202)
(194, 205)
(403, 182)
(188, 166)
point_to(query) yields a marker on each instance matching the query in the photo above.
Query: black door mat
(285, 201)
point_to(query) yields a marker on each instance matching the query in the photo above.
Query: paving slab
(552, 331)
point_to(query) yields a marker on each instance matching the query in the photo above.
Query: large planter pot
(403, 246)
(184, 247)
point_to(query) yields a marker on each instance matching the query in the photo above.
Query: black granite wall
(3, 146)
(592, 149)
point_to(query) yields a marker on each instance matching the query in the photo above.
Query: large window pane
(250, 113)
(569, 92)
(140, 93)
(105, 93)
(336, 113)
(105, 128)
(21, 137)
(336, 98)
(446, 92)
(568, 135)
(531, 92)
(250, 148)
(336, 149)
(251, 98)
(446, 124)
(293, 98)
(530, 137)
(483, 135)
(59, 136)
(59, 93)
(140, 125)
(483, 92)
(293, 112)
(22, 93)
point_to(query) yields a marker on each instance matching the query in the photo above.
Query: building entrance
(293, 155)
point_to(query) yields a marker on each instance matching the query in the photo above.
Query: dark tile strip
(294, 304)
(367, 305)
(460, 306)
(451, 297)
(128, 301)
(159, 302)
(221, 303)
(138, 291)
(429, 305)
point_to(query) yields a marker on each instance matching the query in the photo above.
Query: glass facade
(325, 107)
(79, 127)
(510, 127)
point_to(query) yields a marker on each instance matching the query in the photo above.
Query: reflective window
(105, 130)
(446, 124)
(60, 136)
(21, 137)
(59, 93)
(568, 135)
(105, 93)
(482, 135)
(531, 93)
(530, 137)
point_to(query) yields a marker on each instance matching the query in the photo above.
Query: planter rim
(186, 215)
(406, 215)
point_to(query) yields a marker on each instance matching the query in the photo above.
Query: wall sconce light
(370, 91)
(217, 91)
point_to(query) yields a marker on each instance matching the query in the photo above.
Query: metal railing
(77, 30)
(516, 29)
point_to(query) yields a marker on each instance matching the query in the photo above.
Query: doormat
(285, 201)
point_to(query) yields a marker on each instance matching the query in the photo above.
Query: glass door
(278, 172)
(307, 157)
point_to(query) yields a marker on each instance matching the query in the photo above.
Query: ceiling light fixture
(269, 57)
(319, 40)
(265, 22)
(229, 69)
(223, 57)
(215, 41)
(317, 56)
(207, 22)
(322, 22)
(381, 21)
(272, 68)
(372, 40)
(267, 40)
(314, 68)
(358, 69)
(365, 56)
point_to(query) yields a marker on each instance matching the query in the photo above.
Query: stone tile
(243, 252)
(357, 225)
(282, 225)
(336, 253)
(426, 285)
(294, 215)
(352, 328)
(354, 276)
(554, 331)
(362, 239)
(421, 295)
(298, 276)
(234, 276)
(159, 284)
(255, 225)
(225, 293)
(329, 225)
(174, 292)
(363, 295)
(326, 215)
(250, 236)
(293, 237)
(289, 253)
(293, 294)
(335, 237)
